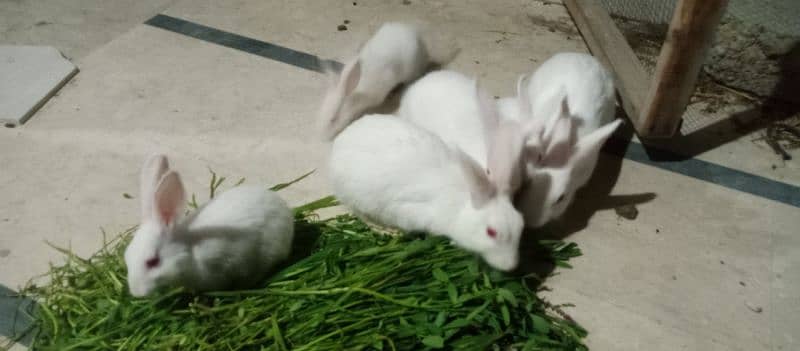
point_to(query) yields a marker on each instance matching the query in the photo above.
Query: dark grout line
(238, 42)
(709, 172)
(698, 169)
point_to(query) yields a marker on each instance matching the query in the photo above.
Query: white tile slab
(29, 76)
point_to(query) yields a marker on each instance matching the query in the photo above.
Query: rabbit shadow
(595, 196)
(306, 236)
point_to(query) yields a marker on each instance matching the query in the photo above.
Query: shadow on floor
(593, 197)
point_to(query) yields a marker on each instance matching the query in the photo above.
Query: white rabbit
(448, 104)
(571, 100)
(390, 171)
(588, 85)
(232, 241)
(395, 54)
(508, 108)
(455, 108)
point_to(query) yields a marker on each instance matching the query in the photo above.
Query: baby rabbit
(232, 241)
(570, 102)
(395, 54)
(390, 171)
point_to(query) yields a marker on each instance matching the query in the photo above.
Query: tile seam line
(694, 168)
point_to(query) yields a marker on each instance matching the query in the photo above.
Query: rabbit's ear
(330, 118)
(351, 75)
(327, 67)
(480, 188)
(559, 138)
(170, 199)
(504, 157)
(532, 132)
(523, 97)
(587, 149)
(153, 169)
(534, 127)
(503, 144)
(560, 112)
(488, 112)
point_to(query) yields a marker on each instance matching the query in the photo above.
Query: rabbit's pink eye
(152, 262)
(491, 232)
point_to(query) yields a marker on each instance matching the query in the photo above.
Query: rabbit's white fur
(508, 108)
(232, 241)
(392, 172)
(572, 98)
(395, 54)
(588, 85)
(455, 108)
(446, 104)
(550, 190)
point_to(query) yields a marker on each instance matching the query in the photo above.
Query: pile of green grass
(347, 288)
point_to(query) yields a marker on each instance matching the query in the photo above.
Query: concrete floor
(76, 27)
(686, 274)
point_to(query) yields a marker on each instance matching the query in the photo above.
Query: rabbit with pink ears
(395, 173)
(395, 54)
(233, 241)
(570, 103)
(549, 135)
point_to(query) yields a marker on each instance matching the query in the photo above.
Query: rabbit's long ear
(587, 149)
(342, 82)
(155, 166)
(330, 119)
(480, 188)
(523, 97)
(505, 158)
(559, 138)
(170, 199)
(533, 128)
(534, 144)
(487, 108)
(331, 72)
(351, 75)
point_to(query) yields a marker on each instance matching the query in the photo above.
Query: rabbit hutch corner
(742, 44)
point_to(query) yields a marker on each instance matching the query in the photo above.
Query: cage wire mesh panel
(652, 11)
(659, 12)
(744, 57)
(780, 16)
